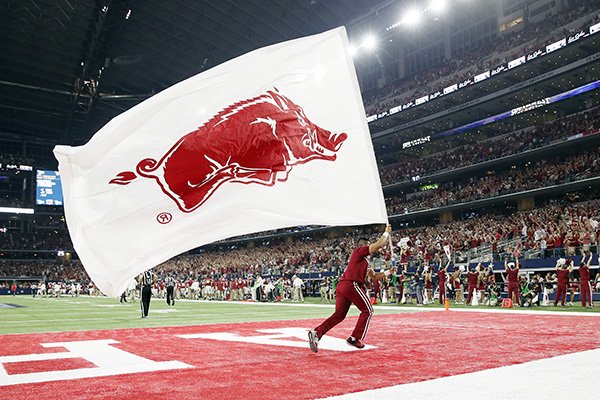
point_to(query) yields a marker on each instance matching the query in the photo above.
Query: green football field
(91, 313)
(24, 314)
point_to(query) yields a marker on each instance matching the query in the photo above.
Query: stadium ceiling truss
(69, 66)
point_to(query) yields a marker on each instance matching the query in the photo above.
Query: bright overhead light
(437, 5)
(353, 50)
(369, 42)
(412, 17)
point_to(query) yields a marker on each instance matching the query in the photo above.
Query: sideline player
(350, 290)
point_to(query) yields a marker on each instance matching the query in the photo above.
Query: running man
(350, 290)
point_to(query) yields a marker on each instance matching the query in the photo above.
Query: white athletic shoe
(313, 341)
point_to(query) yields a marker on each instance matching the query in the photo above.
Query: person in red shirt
(442, 281)
(562, 272)
(234, 290)
(558, 244)
(472, 277)
(376, 287)
(550, 244)
(584, 282)
(13, 289)
(350, 290)
(512, 272)
(572, 241)
(404, 254)
(220, 290)
(482, 283)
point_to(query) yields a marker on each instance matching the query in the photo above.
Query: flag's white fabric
(134, 223)
(447, 250)
(403, 243)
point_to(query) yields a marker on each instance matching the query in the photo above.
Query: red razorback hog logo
(258, 140)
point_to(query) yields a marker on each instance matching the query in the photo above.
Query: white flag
(403, 243)
(272, 139)
(447, 250)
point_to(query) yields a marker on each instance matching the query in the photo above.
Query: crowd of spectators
(46, 270)
(532, 175)
(40, 239)
(552, 230)
(484, 58)
(513, 143)
(300, 256)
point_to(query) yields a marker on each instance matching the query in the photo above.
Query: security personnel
(146, 279)
(170, 284)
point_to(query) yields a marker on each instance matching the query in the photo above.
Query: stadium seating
(530, 138)
(556, 227)
(484, 58)
(542, 173)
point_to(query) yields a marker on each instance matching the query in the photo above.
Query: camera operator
(494, 294)
(527, 295)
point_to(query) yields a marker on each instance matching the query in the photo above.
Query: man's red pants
(347, 293)
(586, 293)
(561, 290)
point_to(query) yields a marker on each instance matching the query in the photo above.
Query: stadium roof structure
(68, 66)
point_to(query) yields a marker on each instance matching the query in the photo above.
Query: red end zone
(409, 348)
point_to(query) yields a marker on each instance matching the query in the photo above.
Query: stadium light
(369, 42)
(353, 50)
(412, 17)
(437, 5)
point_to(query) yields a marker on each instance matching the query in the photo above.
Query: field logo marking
(109, 360)
(279, 337)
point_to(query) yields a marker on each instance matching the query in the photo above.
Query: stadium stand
(504, 48)
(542, 173)
(480, 193)
(496, 147)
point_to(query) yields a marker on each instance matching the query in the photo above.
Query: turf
(93, 313)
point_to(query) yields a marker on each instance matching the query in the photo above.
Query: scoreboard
(48, 188)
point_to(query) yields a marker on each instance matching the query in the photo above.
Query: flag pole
(391, 249)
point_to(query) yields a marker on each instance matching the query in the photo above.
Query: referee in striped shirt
(146, 279)
(170, 284)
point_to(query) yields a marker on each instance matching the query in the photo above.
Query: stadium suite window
(511, 6)
(542, 9)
